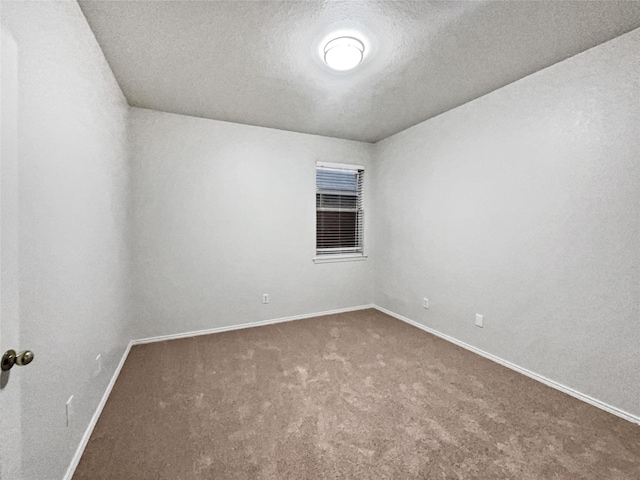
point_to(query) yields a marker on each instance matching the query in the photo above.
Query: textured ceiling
(258, 63)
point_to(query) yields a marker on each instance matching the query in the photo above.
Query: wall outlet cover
(98, 366)
(69, 410)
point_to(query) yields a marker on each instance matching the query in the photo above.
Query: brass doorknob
(24, 358)
(10, 358)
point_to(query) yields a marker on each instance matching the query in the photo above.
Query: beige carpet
(356, 396)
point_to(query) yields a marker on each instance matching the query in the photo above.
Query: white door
(10, 414)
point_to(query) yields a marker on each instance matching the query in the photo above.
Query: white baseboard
(261, 323)
(551, 383)
(94, 419)
(96, 415)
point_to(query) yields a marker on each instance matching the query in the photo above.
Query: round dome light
(343, 53)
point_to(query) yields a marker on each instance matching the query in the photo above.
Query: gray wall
(524, 206)
(73, 214)
(224, 213)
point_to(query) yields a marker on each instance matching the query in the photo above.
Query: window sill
(339, 258)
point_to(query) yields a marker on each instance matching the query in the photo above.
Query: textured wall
(224, 213)
(73, 213)
(524, 206)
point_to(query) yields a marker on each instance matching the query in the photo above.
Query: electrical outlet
(479, 320)
(69, 410)
(265, 298)
(425, 302)
(98, 365)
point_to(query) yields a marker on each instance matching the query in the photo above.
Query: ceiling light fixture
(343, 53)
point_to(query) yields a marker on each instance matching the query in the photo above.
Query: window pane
(341, 180)
(336, 229)
(339, 212)
(324, 200)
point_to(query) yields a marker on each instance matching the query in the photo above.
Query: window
(339, 212)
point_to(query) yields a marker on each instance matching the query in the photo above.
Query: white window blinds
(339, 212)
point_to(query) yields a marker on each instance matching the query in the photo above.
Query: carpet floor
(357, 395)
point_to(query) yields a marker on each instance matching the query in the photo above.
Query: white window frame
(326, 257)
